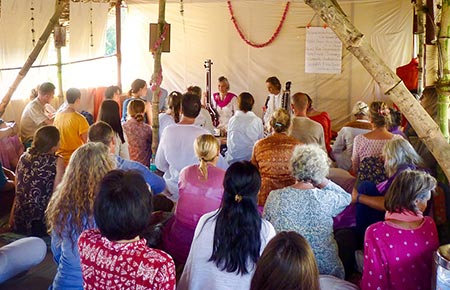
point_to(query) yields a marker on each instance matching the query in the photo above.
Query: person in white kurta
(176, 147)
(273, 101)
(199, 273)
(244, 129)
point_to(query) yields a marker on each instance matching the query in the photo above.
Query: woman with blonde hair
(70, 210)
(139, 134)
(200, 188)
(271, 156)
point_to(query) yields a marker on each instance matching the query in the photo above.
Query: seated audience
(398, 155)
(244, 129)
(271, 156)
(7, 180)
(323, 119)
(71, 210)
(113, 93)
(163, 93)
(114, 255)
(138, 133)
(72, 125)
(367, 163)
(200, 189)
(309, 205)
(176, 150)
(228, 242)
(21, 255)
(398, 252)
(303, 128)
(172, 114)
(288, 263)
(109, 113)
(102, 132)
(138, 91)
(225, 103)
(38, 173)
(343, 146)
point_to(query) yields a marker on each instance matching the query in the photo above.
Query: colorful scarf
(404, 216)
(225, 101)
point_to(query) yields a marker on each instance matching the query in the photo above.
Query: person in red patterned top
(114, 256)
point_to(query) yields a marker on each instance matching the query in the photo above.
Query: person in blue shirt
(102, 132)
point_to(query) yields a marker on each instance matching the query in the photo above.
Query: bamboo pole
(59, 73)
(421, 43)
(54, 20)
(443, 83)
(389, 82)
(119, 42)
(156, 77)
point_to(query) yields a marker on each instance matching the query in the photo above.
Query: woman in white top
(225, 102)
(109, 113)
(171, 115)
(228, 242)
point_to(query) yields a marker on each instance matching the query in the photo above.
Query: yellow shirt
(71, 126)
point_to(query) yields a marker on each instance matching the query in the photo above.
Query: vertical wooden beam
(59, 73)
(119, 42)
(157, 74)
(420, 15)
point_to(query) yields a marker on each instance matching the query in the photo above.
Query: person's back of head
(287, 263)
(45, 138)
(207, 149)
(237, 235)
(408, 189)
(396, 118)
(190, 105)
(136, 109)
(123, 205)
(196, 90)
(101, 132)
(174, 103)
(72, 95)
(360, 110)
(280, 121)
(46, 88)
(109, 113)
(245, 102)
(111, 91)
(300, 102)
(379, 114)
(309, 163)
(70, 209)
(397, 152)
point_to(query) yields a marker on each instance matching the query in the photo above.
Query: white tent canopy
(205, 31)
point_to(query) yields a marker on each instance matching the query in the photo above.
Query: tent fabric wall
(205, 31)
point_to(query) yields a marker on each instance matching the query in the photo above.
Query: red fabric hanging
(409, 74)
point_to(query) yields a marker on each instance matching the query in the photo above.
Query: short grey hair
(309, 163)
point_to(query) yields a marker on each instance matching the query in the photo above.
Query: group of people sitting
(263, 215)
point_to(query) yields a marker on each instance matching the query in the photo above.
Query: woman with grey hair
(309, 205)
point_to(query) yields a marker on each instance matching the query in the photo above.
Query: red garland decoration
(249, 42)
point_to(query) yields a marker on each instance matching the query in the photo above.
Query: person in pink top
(200, 188)
(398, 251)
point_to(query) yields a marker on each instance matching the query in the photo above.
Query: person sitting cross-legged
(114, 256)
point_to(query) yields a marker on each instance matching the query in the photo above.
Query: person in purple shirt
(102, 132)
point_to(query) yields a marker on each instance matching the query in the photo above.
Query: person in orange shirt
(72, 125)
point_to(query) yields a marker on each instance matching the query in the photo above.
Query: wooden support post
(389, 82)
(119, 42)
(54, 20)
(156, 77)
